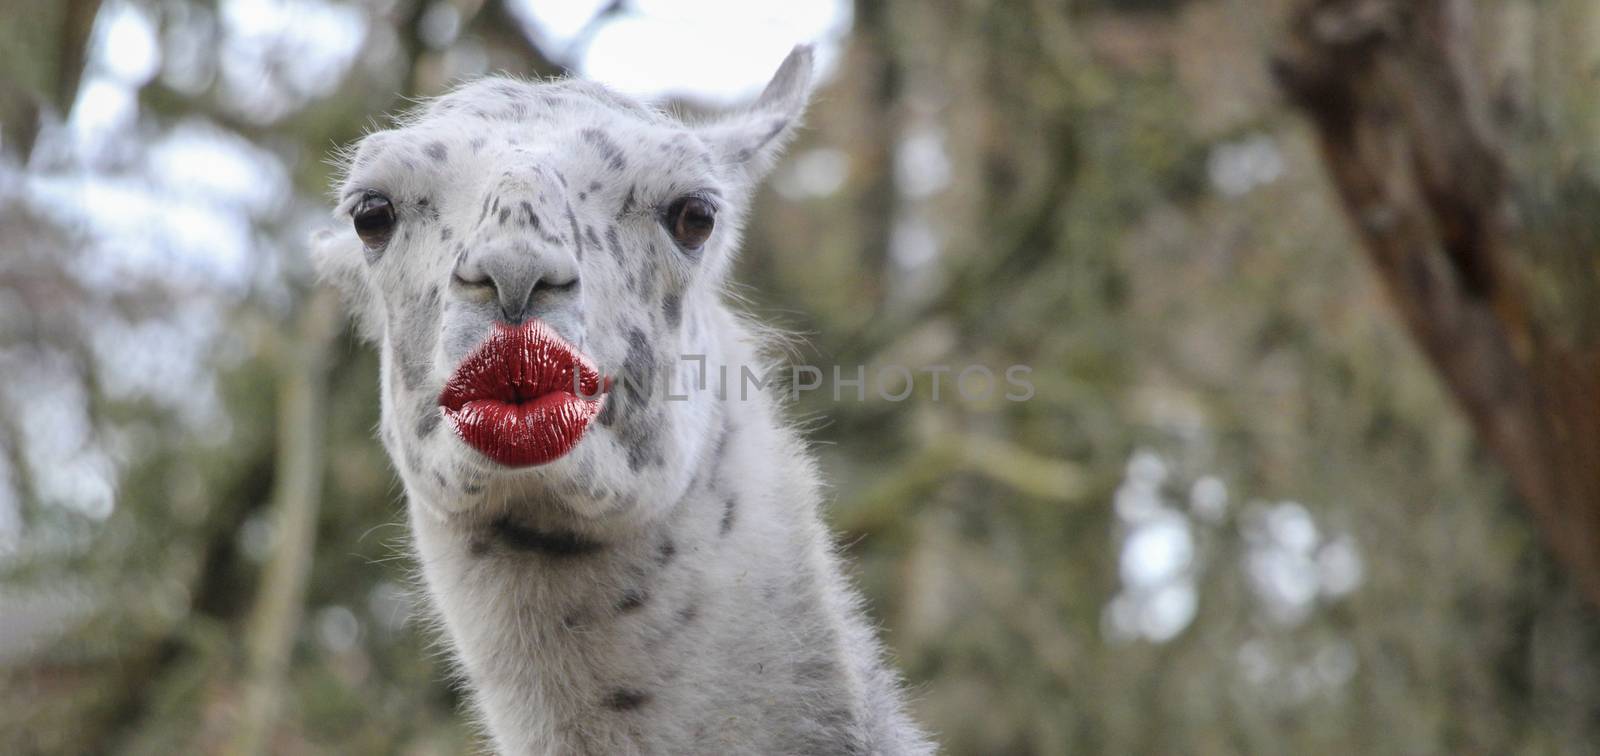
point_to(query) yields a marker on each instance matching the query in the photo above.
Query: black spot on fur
(445, 233)
(519, 537)
(666, 552)
(837, 718)
(625, 699)
(721, 449)
(637, 381)
(428, 423)
(672, 306)
(730, 510)
(647, 284)
(591, 236)
(577, 242)
(632, 599)
(628, 203)
(437, 151)
(614, 244)
(527, 212)
(505, 214)
(638, 367)
(438, 477)
(688, 613)
(476, 144)
(608, 149)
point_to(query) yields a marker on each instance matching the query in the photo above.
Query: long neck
(722, 626)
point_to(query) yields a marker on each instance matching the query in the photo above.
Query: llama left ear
(751, 141)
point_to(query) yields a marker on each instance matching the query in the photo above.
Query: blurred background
(1244, 511)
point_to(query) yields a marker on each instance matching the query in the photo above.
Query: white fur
(741, 636)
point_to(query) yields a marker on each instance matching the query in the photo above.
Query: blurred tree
(297, 494)
(1405, 122)
(1117, 199)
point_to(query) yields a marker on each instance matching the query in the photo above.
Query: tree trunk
(1393, 90)
(275, 621)
(43, 71)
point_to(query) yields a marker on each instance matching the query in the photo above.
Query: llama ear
(338, 260)
(751, 140)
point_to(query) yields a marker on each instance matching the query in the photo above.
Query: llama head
(565, 204)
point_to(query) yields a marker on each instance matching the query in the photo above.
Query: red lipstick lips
(524, 397)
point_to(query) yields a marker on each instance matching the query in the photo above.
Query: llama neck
(723, 622)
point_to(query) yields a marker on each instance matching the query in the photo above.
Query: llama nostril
(534, 299)
(567, 285)
(468, 271)
(463, 280)
(473, 286)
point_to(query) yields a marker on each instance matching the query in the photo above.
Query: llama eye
(374, 219)
(689, 220)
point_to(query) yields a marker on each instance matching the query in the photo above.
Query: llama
(623, 545)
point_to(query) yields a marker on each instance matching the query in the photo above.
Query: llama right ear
(337, 257)
(751, 141)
